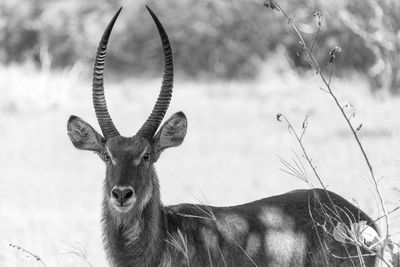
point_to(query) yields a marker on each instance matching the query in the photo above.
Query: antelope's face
(128, 172)
(129, 160)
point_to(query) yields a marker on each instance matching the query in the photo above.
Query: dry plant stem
(334, 209)
(31, 254)
(316, 66)
(309, 160)
(245, 253)
(305, 154)
(79, 251)
(319, 238)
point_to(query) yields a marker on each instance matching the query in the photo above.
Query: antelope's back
(292, 229)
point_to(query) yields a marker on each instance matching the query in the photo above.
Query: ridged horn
(149, 128)
(99, 100)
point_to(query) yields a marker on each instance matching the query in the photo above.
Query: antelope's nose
(122, 193)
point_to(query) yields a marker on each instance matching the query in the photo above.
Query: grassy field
(51, 192)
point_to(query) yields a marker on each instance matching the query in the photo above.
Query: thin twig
(29, 253)
(318, 15)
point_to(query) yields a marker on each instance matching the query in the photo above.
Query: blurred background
(238, 64)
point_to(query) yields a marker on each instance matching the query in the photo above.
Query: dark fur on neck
(132, 239)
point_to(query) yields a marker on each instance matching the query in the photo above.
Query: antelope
(291, 229)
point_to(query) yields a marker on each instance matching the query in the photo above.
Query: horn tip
(119, 11)
(116, 15)
(150, 11)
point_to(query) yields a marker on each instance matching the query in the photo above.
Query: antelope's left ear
(171, 134)
(83, 136)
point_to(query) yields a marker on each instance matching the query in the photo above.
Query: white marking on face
(127, 205)
(113, 160)
(122, 209)
(137, 161)
(146, 196)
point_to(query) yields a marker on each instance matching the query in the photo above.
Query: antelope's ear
(171, 134)
(83, 136)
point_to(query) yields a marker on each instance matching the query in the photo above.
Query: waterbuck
(292, 229)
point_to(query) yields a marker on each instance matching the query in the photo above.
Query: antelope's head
(130, 175)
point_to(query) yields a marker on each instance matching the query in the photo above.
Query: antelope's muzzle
(122, 197)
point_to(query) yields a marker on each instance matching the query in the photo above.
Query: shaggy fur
(293, 229)
(276, 231)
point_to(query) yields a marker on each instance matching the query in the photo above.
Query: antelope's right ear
(83, 136)
(171, 134)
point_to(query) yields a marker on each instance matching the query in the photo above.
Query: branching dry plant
(28, 254)
(181, 244)
(78, 250)
(340, 224)
(358, 233)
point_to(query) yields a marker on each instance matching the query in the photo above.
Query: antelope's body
(275, 231)
(285, 230)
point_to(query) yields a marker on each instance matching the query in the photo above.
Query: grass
(51, 192)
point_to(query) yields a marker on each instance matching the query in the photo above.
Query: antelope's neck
(134, 239)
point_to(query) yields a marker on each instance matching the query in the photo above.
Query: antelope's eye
(146, 157)
(106, 157)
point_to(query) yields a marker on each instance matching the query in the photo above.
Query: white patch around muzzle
(127, 205)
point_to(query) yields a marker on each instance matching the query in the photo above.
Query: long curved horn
(149, 128)
(99, 100)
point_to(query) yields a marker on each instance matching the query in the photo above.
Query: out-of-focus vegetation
(214, 39)
(59, 195)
